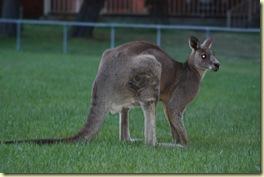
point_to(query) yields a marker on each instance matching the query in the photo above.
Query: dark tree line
(10, 9)
(89, 12)
(158, 9)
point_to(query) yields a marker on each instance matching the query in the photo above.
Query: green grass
(44, 93)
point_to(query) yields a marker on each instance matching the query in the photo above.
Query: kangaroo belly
(117, 107)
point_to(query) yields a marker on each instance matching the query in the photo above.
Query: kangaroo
(141, 74)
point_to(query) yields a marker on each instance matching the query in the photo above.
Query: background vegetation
(44, 93)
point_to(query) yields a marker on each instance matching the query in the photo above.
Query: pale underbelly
(115, 108)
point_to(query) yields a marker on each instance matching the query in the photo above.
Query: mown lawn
(44, 93)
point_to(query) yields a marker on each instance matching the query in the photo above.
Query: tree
(10, 10)
(158, 9)
(1, 3)
(89, 12)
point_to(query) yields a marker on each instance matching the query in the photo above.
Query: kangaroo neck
(199, 72)
(185, 76)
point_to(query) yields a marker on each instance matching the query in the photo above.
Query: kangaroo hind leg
(124, 133)
(150, 122)
(178, 130)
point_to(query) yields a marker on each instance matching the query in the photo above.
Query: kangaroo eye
(203, 56)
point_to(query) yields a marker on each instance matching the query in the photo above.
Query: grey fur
(141, 74)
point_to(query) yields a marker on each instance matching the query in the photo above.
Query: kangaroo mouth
(215, 69)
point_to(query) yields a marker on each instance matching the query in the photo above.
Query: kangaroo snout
(216, 66)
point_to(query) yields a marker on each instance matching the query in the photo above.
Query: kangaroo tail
(39, 141)
(92, 125)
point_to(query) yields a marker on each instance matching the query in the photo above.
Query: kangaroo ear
(194, 43)
(207, 43)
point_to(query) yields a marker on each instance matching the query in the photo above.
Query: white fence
(66, 24)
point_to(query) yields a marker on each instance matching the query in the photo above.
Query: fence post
(249, 11)
(228, 18)
(207, 32)
(18, 35)
(65, 38)
(158, 36)
(112, 37)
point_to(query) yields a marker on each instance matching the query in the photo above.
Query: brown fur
(179, 82)
(141, 73)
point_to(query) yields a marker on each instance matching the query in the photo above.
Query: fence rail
(113, 26)
(244, 14)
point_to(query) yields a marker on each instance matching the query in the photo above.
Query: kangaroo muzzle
(216, 66)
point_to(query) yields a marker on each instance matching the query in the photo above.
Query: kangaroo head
(202, 56)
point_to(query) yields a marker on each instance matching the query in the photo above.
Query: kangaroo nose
(216, 66)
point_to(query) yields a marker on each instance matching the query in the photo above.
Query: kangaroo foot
(172, 145)
(133, 140)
